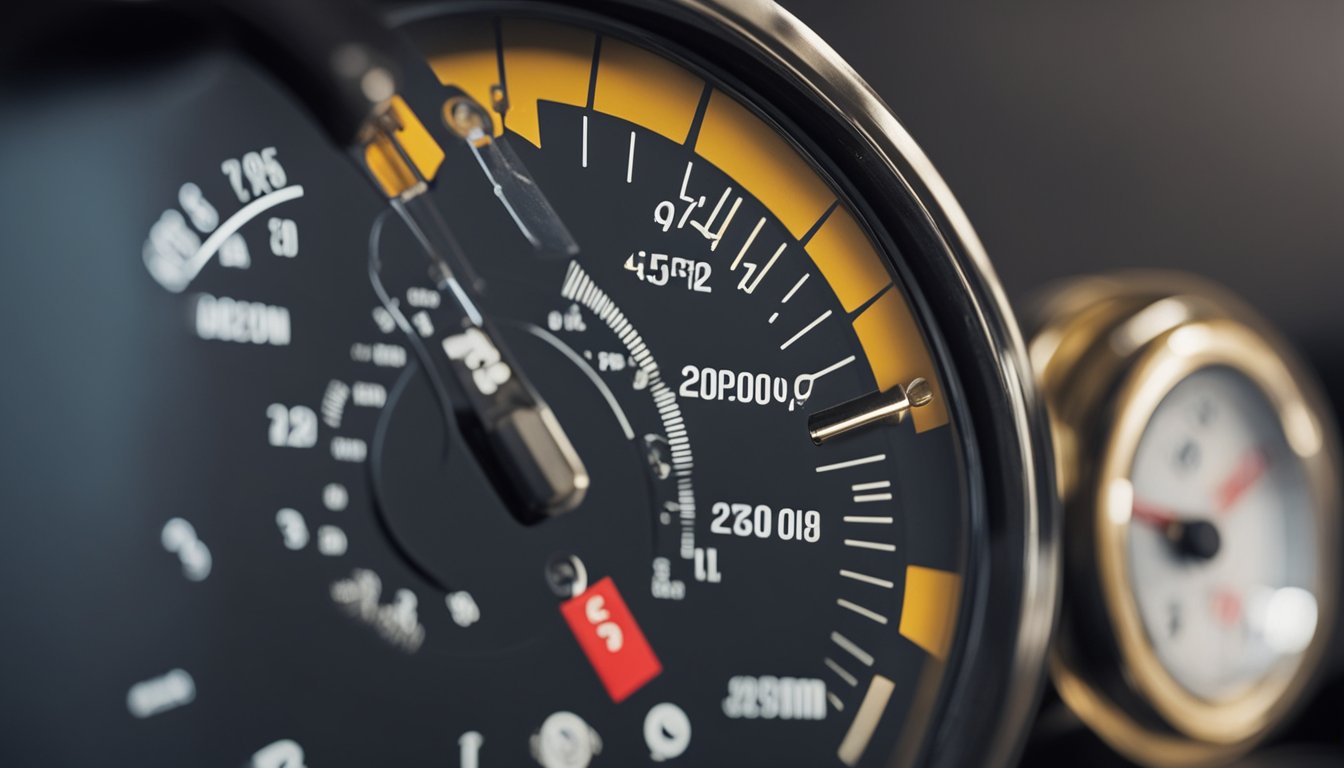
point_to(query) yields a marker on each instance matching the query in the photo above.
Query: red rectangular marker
(613, 642)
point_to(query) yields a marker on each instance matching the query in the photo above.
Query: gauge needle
(1154, 516)
(1197, 539)
(351, 71)
(1243, 477)
(508, 177)
(513, 434)
(512, 431)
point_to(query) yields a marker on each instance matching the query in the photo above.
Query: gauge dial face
(245, 524)
(1221, 545)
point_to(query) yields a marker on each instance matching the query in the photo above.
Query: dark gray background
(1083, 137)
(1079, 137)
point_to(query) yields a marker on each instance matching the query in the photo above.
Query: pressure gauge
(1199, 476)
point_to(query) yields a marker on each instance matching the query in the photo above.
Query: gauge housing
(1108, 352)
(1011, 586)
(995, 672)
(990, 695)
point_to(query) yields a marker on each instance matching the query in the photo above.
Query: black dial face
(249, 519)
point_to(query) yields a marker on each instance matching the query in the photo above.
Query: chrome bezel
(989, 699)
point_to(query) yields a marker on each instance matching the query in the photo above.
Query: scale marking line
(841, 672)
(876, 457)
(630, 164)
(806, 328)
(853, 648)
(866, 579)
(864, 612)
(865, 720)
(877, 545)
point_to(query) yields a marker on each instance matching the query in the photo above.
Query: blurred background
(1089, 137)
(1086, 137)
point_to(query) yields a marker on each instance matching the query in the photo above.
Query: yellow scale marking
(471, 63)
(929, 612)
(646, 89)
(841, 250)
(897, 354)
(743, 146)
(544, 62)
(550, 62)
(387, 165)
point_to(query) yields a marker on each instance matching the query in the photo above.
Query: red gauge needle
(1154, 516)
(1245, 475)
(1198, 539)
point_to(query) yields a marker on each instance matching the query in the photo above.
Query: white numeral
(292, 426)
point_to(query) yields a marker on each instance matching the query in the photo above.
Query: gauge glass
(1202, 478)
(1220, 547)
(280, 546)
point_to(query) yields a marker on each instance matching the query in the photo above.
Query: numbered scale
(600, 393)
(1200, 476)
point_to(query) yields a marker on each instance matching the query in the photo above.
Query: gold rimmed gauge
(1199, 476)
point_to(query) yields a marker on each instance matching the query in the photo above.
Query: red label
(609, 636)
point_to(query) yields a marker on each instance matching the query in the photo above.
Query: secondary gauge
(530, 384)
(1200, 481)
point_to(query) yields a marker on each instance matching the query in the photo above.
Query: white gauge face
(1221, 544)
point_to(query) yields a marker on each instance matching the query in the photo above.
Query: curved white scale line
(588, 371)
(579, 287)
(235, 222)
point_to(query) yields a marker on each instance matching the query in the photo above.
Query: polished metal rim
(990, 699)
(1104, 393)
(982, 725)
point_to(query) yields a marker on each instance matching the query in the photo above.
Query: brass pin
(894, 404)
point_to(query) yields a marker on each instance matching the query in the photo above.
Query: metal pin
(895, 404)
